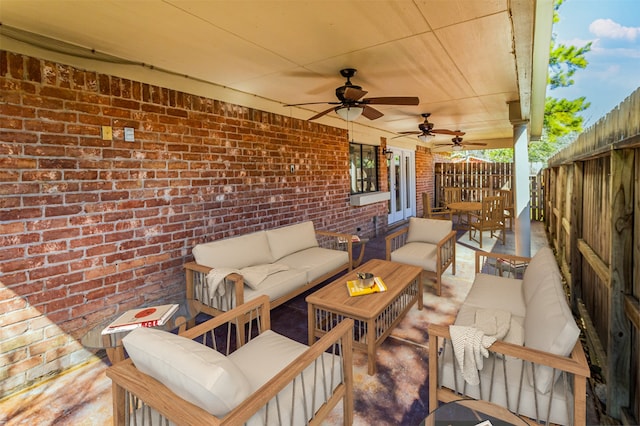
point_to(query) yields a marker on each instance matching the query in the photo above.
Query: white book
(142, 317)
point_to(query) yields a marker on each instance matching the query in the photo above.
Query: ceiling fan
(457, 144)
(351, 105)
(427, 131)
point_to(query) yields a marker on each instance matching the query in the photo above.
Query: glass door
(401, 180)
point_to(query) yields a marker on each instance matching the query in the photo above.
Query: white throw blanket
(215, 277)
(470, 343)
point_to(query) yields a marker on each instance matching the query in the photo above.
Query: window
(363, 168)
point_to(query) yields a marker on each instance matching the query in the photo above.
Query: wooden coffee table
(375, 314)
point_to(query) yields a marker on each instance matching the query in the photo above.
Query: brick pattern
(92, 227)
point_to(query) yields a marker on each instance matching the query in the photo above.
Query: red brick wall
(90, 227)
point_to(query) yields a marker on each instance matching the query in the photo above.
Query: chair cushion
(428, 230)
(276, 352)
(193, 371)
(417, 254)
(290, 239)
(236, 253)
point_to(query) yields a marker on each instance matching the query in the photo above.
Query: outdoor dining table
(464, 207)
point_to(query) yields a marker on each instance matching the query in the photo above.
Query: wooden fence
(482, 178)
(593, 222)
(474, 179)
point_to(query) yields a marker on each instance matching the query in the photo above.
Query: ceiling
(464, 59)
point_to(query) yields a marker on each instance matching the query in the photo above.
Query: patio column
(521, 196)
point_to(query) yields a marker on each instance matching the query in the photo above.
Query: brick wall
(90, 227)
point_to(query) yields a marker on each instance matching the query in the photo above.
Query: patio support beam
(521, 195)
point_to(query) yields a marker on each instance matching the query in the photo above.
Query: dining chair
(490, 218)
(452, 195)
(509, 210)
(434, 212)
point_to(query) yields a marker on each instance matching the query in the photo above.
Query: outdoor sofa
(538, 369)
(280, 263)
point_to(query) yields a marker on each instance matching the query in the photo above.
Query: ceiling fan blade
(392, 100)
(320, 114)
(414, 132)
(474, 144)
(371, 113)
(443, 144)
(313, 103)
(353, 94)
(448, 132)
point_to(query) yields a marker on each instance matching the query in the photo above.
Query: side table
(362, 242)
(112, 343)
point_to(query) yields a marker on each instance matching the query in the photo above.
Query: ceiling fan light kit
(426, 137)
(349, 113)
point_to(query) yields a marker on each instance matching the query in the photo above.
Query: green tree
(561, 116)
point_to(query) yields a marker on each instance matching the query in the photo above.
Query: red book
(143, 317)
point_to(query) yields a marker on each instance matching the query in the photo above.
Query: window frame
(365, 183)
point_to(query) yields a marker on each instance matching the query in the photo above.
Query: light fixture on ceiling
(457, 148)
(426, 138)
(387, 153)
(349, 113)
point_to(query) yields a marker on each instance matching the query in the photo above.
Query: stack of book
(143, 317)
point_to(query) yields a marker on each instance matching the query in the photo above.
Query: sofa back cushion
(549, 325)
(427, 230)
(541, 268)
(291, 239)
(193, 371)
(237, 252)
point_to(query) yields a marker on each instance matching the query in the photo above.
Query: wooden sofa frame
(133, 389)
(196, 273)
(445, 253)
(575, 365)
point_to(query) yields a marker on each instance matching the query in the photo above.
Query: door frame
(407, 175)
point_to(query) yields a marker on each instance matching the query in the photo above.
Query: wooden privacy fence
(479, 179)
(475, 179)
(593, 222)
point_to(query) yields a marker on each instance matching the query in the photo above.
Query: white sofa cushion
(419, 254)
(189, 369)
(290, 239)
(428, 230)
(549, 325)
(278, 284)
(495, 292)
(317, 261)
(254, 275)
(236, 253)
(543, 266)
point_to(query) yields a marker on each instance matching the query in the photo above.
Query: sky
(613, 73)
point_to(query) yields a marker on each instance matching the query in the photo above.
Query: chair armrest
(196, 274)
(450, 237)
(396, 240)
